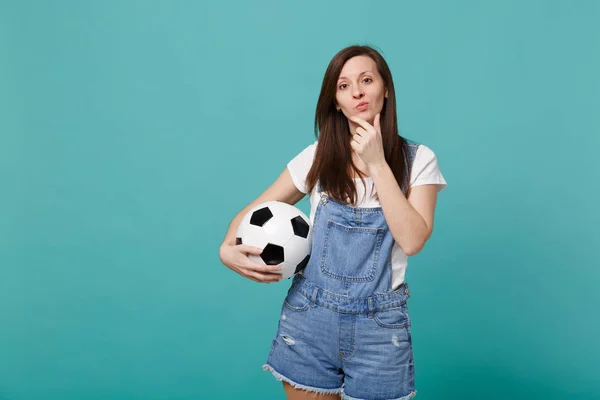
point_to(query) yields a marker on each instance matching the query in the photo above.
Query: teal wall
(131, 133)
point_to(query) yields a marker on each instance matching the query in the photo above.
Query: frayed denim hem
(280, 377)
(409, 396)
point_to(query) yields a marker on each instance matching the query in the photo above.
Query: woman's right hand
(235, 257)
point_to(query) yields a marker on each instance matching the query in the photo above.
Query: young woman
(344, 329)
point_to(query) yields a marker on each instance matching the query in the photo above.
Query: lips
(362, 105)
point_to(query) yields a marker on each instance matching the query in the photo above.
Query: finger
(361, 131)
(256, 277)
(272, 277)
(242, 272)
(361, 122)
(261, 277)
(249, 249)
(263, 268)
(376, 122)
(250, 277)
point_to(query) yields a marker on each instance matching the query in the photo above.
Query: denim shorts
(360, 348)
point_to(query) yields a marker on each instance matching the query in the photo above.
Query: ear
(386, 93)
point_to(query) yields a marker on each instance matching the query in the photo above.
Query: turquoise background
(132, 132)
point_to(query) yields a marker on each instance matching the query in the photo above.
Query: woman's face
(360, 83)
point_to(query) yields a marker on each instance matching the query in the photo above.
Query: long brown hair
(333, 157)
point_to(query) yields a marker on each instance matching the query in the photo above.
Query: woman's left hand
(367, 142)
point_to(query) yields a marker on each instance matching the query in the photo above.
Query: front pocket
(396, 317)
(296, 301)
(351, 253)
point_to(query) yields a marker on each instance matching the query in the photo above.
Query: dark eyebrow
(362, 73)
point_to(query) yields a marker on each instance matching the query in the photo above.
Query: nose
(357, 92)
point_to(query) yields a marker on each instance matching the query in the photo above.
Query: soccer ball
(282, 231)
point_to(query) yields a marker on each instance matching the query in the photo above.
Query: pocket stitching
(377, 232)
(384, 325)
(292, 308)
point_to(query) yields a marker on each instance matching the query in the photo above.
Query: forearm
(233, 227)
(406, 225)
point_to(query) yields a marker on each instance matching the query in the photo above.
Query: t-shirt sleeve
(300, 165)
(425, 169)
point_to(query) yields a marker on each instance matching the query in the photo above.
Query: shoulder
(311, 147)
(419, 151)
(425, 168)
(307, 154)
(424, 153)
(300, 165)
(302, 162)
(413, 148)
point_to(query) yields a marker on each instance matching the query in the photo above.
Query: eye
(343, 84)
(367, 79)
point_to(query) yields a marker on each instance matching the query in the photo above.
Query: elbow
(418, 242)
(411, 251)
(414, 248)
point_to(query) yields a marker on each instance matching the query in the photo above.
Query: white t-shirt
(425, 171)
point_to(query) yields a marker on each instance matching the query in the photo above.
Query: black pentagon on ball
(302, 264)
(300, 227)
(260, 217)
(272, 254)
(238, 240)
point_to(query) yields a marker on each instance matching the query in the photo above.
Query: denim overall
(342, 328)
